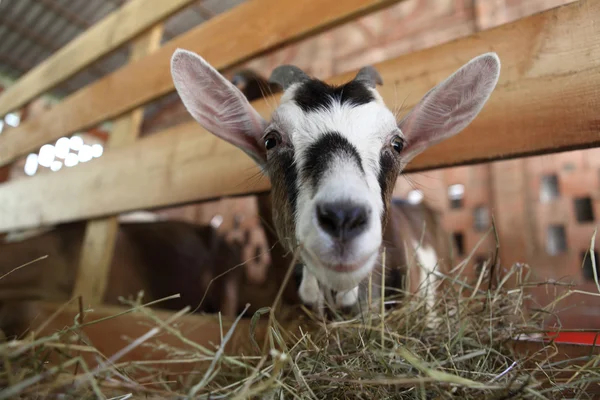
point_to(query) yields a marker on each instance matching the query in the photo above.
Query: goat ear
(217, 104)
(450, 106)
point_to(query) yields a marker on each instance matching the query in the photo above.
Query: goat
(253, 85)
(415, 222)
(333, 154)
(413, 239)
(160, 258)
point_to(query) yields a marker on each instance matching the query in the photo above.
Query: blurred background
(545, 208)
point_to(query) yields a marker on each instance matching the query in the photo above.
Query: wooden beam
(248, 30)
(95, 260)
(4, 170)
(110, 33)
(546, 101)
(100, 234)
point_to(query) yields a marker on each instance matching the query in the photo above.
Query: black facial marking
(290, 176)
(321, 152)
(298, 271)
(314, 95)
(387, 164)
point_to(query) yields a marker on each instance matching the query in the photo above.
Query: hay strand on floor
(384, 353)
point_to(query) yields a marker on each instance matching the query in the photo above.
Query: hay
(393, 353)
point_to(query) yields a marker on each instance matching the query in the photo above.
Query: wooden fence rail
(101, 234)
(116, 29)
(228, 39)
(546, 101)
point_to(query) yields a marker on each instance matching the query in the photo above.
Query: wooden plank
(4, 170)
(95, 260)
(248, 30)
(100, 234)
(110, 33)
(546, 101)
(127, 128)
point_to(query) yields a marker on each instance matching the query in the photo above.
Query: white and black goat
(333, 154)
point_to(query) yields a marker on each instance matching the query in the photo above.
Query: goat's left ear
(219, 106)
(450, 106)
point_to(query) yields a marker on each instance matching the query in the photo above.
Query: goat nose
(342, 221)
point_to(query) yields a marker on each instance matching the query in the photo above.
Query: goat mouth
(346, 268)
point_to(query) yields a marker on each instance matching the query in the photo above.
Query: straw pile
(385, 353)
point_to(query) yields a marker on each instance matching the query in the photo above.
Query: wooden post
(100, 234)
(5, 170)
(4, 174)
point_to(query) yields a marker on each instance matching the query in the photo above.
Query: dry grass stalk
(387, 352)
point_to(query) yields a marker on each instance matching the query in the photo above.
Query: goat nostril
(357, 217)
(342, 220)
(328, 218)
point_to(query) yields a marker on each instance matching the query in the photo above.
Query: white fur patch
(347, 299)
(428, 260)
(309, 290)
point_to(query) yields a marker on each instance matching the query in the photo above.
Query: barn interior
(538, 206)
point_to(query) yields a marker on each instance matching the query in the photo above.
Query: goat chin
(345, 283)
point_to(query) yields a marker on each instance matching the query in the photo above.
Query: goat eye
(398, 143)
(270, 141)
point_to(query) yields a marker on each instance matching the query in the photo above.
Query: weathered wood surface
(230, 38)
(95, 260)
(546, 101)
(110, 33)
(100, 234)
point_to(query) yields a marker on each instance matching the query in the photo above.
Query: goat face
(332, 153)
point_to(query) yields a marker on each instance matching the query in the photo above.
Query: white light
(456, 192)
(216, 221)
(97, 150)
(46, 155)
(12, 119)
(71, 160)
(31, 164)
(76, 143)
(56, 165)
(415, 196)
(62, 147)
(86, 153)
(1, 126)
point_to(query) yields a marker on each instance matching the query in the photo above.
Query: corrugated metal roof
(31, 30)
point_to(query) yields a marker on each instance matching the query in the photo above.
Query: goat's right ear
(450, 107)
(217, 104)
